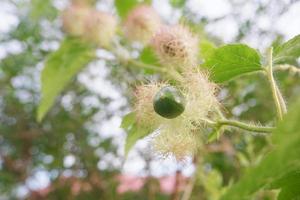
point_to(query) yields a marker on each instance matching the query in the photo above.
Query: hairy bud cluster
(141, 24)
(180, 136)
(74, 19)
(176, 46)
(100, 28)
(94, 26)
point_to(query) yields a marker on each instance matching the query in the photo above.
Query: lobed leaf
(230, 61)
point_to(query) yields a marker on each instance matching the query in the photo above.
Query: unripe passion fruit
(169, 102)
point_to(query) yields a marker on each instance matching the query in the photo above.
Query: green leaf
(207, 49)
(287, 193)
(287, 52)
(124, 6)
(177, 3)
(128, 121)
(43, 8)
(232, 60)
(134, 132)
(283, 159)
(59, 69)
(289, 184)
(215, 135)
(148, 56)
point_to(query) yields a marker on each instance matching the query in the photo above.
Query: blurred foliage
(60, 67)
(276, 164)
(67, 131)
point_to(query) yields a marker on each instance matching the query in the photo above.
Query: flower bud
(74, 18)
(141, 24)
(176, 46)
(100, 28)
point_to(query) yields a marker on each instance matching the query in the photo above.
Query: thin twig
(279, 101)
(176, 193)
(241, 125)
(245, 126)
(189, 188)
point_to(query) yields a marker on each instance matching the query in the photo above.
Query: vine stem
(190, 186)
(173, 73)
(176, 193)
(245, 126)
(288, 67)
(241, 125)
(145, 66)
(277, 96)
(123, 55)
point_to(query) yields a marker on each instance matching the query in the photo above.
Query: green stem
(145, 66)
(291, 68)
(174, 74)
(245, 126)
(279, 101)
(238, 124)
(123, 55)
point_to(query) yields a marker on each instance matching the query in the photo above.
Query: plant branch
(145, 66)
(291, 68)
(174, 74)
(277, 96)
(245, 126)
(190, 186)
(241, 125)
(176, 193)
(123, 56)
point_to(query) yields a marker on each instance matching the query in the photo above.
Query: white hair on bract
(181, 136)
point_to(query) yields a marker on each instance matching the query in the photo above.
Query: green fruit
(169, 102)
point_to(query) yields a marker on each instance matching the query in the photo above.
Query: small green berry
(169, 102)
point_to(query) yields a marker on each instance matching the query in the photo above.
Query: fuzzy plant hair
(180, 136)
(144, 95)
(177, 140)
